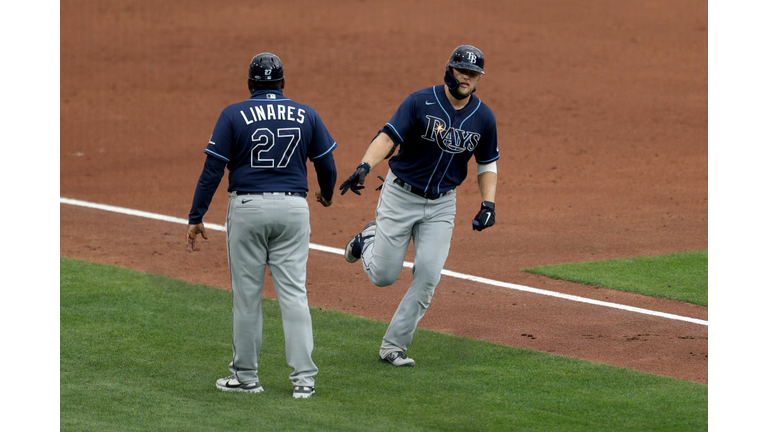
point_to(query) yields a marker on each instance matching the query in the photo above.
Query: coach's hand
(486, 217)
(356, 180)
(192, 232)
(321, 199)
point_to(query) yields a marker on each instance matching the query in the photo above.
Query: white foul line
(338, 251)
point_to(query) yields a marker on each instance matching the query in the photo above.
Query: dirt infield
(602, 117)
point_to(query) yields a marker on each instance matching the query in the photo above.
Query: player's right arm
(380, 149)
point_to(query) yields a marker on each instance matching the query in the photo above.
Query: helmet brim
(466, 66)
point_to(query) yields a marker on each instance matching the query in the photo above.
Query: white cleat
(398, 358)
(303, 392)
(231, 384)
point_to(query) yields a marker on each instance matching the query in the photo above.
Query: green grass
(677, 277)
(142, 352)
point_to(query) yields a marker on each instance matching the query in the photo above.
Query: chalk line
(407, 264)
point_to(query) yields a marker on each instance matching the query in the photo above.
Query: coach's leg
(246, 251)
(289, 250)
(431, 242)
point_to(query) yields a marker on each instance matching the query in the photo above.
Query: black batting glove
(356, 180)
(486, 217)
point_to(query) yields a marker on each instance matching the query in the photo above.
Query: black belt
(398, 181)
(301, 194)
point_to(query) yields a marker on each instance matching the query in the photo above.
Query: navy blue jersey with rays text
(266, 141)
(436, 141)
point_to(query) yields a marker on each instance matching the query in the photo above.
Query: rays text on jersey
(450, 139)
(273, 111)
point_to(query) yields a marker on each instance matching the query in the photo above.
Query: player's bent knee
(383, 272)
(383, 279)
(383, 282)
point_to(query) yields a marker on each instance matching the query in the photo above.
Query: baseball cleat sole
(303, 392)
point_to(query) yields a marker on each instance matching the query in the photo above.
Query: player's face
(467, 80)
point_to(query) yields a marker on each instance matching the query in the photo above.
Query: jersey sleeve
(220, 143)
(322, 143)
(398, 126)
(209, 181)
(487, 149)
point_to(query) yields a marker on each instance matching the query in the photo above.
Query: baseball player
(265, 142)
(438, 129)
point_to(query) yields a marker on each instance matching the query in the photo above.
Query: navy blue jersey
(436, 141)
(266, 141)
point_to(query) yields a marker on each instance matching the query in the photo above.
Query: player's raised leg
(432, 241)
(396, 214)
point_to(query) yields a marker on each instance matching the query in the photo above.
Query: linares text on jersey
(273, 112)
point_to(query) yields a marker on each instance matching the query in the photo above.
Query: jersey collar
(261, 94)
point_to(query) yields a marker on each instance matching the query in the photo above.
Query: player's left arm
(486, 156)
(486, 180)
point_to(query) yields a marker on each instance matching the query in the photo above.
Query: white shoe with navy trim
(231, 383)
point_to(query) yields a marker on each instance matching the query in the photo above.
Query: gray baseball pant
(269, 230)
(400, 216)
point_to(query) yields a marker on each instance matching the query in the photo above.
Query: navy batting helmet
(467, 57)
(266, 67)
(463, 57)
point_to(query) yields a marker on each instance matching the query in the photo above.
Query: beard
(458, 94)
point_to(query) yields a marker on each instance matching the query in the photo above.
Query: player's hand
(486, 217)
(356, 180)
(321, 200)
(192, 232)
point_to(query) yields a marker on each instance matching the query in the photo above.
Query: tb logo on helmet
(471, 57)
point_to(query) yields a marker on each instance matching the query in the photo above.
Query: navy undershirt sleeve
(326, 175)
(209, 181)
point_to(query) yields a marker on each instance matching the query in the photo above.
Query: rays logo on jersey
(450, 139)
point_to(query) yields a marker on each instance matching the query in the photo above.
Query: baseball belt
(301, 194)
(398, 181)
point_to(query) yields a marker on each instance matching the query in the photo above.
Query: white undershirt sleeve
(481, 168)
